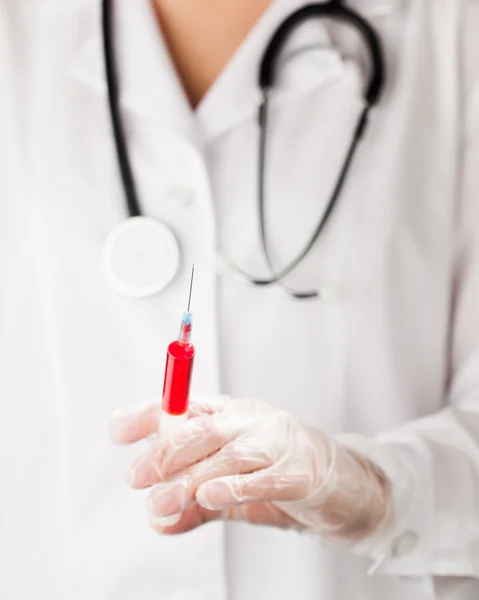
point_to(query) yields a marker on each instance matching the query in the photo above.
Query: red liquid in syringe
(179, 367)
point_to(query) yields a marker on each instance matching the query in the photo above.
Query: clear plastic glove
(242, 459)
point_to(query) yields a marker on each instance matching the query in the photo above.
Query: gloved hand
(246, 460)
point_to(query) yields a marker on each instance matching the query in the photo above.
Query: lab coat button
(140, 257)
(181, 195)
(405, 544)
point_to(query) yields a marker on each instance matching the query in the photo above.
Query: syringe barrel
(179, 368)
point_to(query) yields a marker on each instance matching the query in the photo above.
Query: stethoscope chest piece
(140, 257)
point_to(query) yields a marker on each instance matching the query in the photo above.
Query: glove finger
(266, 485)
(175, 495)
(257, 435)
(196, 440)
(191, 518)
(199, 439)
(129, 425)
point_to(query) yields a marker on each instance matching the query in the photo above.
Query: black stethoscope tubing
(335, 10)
(113, 91)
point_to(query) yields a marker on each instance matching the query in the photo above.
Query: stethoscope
(141, 255)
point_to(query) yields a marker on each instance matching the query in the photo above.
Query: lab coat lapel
(149, 85)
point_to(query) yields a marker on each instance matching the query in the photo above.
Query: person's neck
(202, 36)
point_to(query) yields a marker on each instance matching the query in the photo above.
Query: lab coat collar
(149, 85)
(151, 89)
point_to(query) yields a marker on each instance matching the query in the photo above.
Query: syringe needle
(191, 285)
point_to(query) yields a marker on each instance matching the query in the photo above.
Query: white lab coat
(392, 351)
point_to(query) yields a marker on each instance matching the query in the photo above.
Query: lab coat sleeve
(433, 463)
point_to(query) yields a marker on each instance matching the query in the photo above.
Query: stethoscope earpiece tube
(336, 10)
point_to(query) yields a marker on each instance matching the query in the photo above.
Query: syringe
(179, 368)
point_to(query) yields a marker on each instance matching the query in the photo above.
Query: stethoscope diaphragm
(140, 257)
